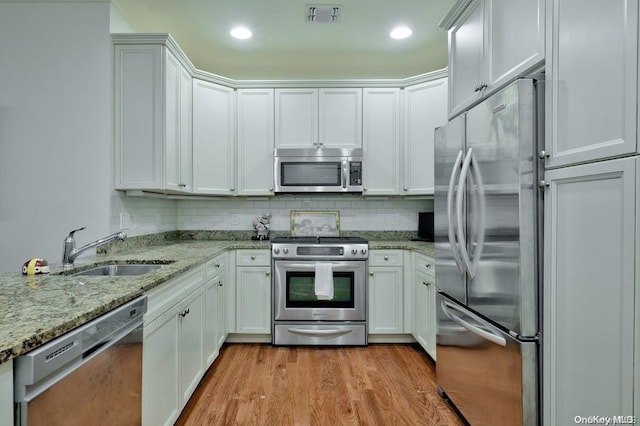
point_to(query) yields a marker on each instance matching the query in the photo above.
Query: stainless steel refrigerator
(488, 239)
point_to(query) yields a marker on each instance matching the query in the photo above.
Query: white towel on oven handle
(324, 281)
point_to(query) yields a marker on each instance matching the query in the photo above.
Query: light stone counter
(36, 309)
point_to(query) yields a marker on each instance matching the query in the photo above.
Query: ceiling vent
(323, 13)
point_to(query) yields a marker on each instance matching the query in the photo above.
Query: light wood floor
(259, 384)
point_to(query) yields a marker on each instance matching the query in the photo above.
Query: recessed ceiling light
(400, 32)
(241, 33)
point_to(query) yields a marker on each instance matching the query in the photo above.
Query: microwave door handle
(450, 210)
(345, 170)
(459, 204)
(487, 335)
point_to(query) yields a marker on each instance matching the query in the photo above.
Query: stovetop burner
(318, 240)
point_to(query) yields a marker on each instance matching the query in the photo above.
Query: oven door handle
(312, 266)
(329, 332)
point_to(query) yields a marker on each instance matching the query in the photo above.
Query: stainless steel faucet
(70, 252)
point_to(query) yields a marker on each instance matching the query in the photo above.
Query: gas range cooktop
(319, 248)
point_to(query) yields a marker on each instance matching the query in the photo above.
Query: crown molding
(168, 41)
(447, 22)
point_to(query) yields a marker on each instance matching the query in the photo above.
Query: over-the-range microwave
(309, 170)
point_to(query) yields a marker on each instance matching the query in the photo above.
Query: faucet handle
(74, 231)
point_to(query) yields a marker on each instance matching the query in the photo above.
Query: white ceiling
(285, 46)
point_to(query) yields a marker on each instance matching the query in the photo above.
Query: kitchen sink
(120, 269)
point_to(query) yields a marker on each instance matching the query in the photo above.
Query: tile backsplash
(143, 215)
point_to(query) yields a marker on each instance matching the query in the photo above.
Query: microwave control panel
(355, 173)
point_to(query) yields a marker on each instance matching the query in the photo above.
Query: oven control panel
(320, 251)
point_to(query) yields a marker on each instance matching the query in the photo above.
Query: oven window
(301, 291)
(311, 173)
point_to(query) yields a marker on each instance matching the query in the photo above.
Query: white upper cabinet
(591, 89)
(491, 43)
(296, 117)
(213, 138)
(381, 141)
(340, 118)
(425, 108)
(307, 118)
(152, 120)
(255, 142)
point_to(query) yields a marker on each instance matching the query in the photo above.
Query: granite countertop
(36, 309)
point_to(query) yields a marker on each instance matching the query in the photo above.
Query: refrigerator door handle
(452, 239)
(493, 338)
(479, 242)
(461, 236)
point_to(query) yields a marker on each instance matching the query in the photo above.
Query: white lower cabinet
(215, 330)
(6, 393)
(173, 347)
(424, 324)
(386, 300)
(253, 292)
(589, 291)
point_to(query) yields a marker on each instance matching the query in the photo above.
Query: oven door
(294, 292)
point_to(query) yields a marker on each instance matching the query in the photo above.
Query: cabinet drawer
(425, 264)
(253, 258)
(163, 297)
(216, 266)
(385, 258)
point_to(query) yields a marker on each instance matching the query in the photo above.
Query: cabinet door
(161, 370)
(592, 93)
(213, 138)
(6, 393)
(184, 134)
(421, 308)
(221, 312)
(466, 41)
(507, 57)
(340, 117)
(253, 309)
(425, 109)
(255, 142)
(191, 344)
(430, 308)
(211, 296)
(385, 300)
(172, 178)
(296, 117)
(381, 141)
(589, 290)
(138, 116)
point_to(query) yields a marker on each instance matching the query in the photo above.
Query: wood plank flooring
(260, 384)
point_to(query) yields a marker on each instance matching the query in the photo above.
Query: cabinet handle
(253, 258)
(217, 265)
(386, 258)
(267, 273)
(427, 265)
(426, 283)
(480, 86)
(182, 185)
(220, 283)
(184, 313)
(371, 273)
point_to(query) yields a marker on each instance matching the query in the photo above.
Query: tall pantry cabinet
(590, 329)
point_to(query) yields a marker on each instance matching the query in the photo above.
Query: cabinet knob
(182, 185)
(543, 184)
(543, 154)
(428, 265)
(253, 258)
(267, 273)
(405, 189)
(386, 258)
(365, 189)
(270, 189)
(220, 283)
(480, 86)
(217, 265)
(232, 189)
(184, 313)
(426, 283)
(371, 273)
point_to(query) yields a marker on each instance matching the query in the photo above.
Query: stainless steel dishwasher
(90, 375)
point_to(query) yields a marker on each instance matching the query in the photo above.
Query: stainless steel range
(319, 291)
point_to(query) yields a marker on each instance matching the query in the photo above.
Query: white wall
(355, 214)
(55, 127)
